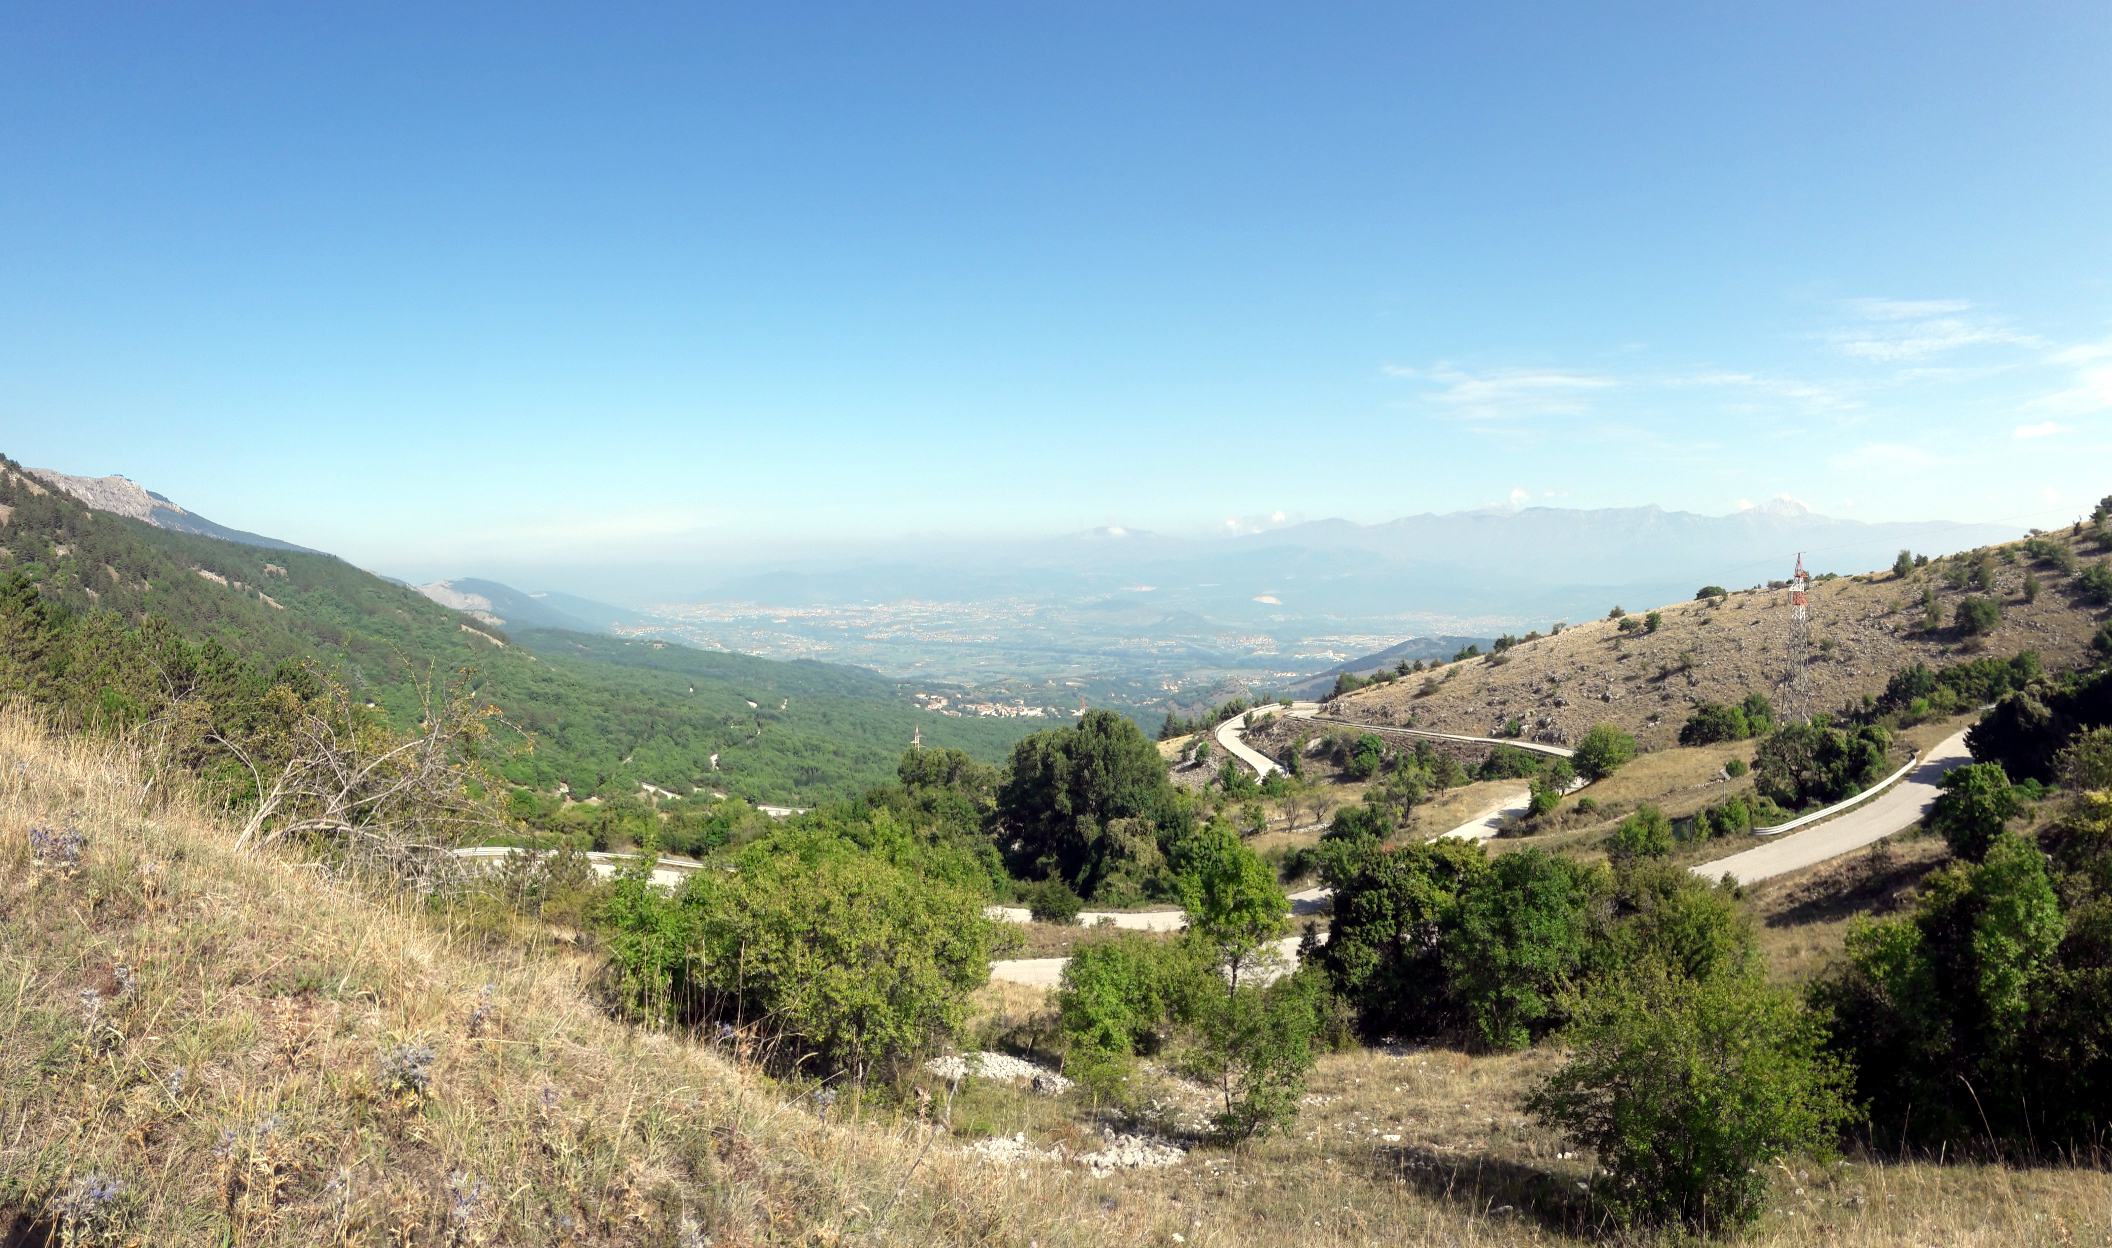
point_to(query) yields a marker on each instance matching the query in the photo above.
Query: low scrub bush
(1052, 901)
(1604, 750)
(1687, 1090)
(1644, 834)
(844, 960)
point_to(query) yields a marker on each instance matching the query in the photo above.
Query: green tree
(1686, 1091)
(1711, 591)
(1653, 621)
(1712, 722)
(2086, 762)
(1254, 1037)
(1814, 763)
(1977, 617)
(1903, 566)
(1232, 899)
(1644, 834)
(1382, 953)
(1604, 750)
(1065, 787)
(1937, 1009)
(1513, 940)
(1975, 803)
(1931, 610)
(2031, 587)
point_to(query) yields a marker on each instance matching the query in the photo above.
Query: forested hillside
(602, 714)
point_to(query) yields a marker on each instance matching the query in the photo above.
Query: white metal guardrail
(1835, 809)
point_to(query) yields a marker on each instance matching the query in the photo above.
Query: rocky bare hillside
(1863, 629)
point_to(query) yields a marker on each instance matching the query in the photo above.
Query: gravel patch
(999, 1066)
(1117, 1151)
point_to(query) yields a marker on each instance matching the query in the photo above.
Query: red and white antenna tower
(1796, 680)
(916, 738)
(1081, 708)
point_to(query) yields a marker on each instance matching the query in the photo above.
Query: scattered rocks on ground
(1130, 1152)
(1118, 1151)
(999, 1066)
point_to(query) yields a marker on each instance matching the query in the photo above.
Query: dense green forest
(600, 714)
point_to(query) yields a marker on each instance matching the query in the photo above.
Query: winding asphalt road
(1901, 806)
(1229, 735)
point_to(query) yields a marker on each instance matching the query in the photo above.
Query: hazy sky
(442, 287)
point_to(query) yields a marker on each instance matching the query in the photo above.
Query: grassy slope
(275, 992)
(604, 712)
(1737, 649)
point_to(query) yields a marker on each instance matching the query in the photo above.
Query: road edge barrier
(1844, 804)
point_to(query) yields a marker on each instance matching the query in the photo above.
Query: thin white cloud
(1883, 456)
(2050, 494)
(2090, 388)
(1893, 330)
(1520, 497)
(1506, 394)
(2044, 429)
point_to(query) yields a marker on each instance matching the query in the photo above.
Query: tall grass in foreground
(199, 1046)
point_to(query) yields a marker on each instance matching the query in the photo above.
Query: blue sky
(448, 288)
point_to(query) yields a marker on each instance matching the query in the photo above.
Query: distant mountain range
(1492, 567)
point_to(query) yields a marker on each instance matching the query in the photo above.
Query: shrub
(1360, 756)
(1382, 948)
(1977, 617)
(1713, 722)
(1962, 1020)
(1975, 803)
(845, 959)
(1711, 591)
(1653, 621)
(1516, 934)
(1735, 768)
(1604, 750)
(1616, 613)
(1759, 714)
(1506, 762)
(1904, 565)
(1815, 763)
(2031, 587)
(2095, 584)
(1587, 805)
(1052, 901)
(1123, 996)
(1686, 1091)
(1644, 834)
(1255, 1046)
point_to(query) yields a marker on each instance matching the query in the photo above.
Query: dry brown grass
(1594, 672)
(275, 991)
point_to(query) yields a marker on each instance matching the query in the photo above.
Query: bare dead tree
(387, 802)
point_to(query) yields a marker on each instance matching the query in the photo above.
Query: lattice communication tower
(1796, 680)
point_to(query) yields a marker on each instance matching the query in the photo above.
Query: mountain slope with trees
(604, 714)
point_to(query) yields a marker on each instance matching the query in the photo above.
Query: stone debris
(999, 1066)
(1012, 1148)
(1130, 1152)
(1117, 1152)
